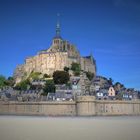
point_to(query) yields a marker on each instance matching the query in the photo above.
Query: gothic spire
(91, 57)
(58, 26)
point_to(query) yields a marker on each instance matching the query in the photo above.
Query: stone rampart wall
(117, 107)
(40, 108)
(84, 106)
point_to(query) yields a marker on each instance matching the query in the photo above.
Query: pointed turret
(58, 29)
(91, 57)
(93, 61)
(57, 40)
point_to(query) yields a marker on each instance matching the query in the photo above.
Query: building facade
(60, 54)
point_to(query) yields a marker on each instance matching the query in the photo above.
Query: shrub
(76, 68)
(61, 77)
(49, 87)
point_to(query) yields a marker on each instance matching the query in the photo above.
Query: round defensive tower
(85, 106)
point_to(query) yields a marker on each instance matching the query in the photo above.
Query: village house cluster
(99, 86)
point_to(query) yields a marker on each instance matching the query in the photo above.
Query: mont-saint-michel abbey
(60, 54)
(59, 81)
(69, 76)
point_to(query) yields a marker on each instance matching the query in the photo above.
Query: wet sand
(67, 128)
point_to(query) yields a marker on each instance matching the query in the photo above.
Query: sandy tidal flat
(46, 128)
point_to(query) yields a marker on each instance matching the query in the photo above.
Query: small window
(64, 47)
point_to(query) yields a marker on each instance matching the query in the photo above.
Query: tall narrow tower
(58, 30)
(57, 39)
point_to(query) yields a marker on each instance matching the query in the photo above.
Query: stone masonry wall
(84, 106)
(117, 107)
(40, 108)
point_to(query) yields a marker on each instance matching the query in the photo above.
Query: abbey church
(60, 54)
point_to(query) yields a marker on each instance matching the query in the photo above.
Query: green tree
(76, 73)
(23, 85)
(46, 76)
(49, 87)
(110, 81)
(118, 86)
(69, 85)
(76, 68)
(34, 75)
(10, 81)
(90, 75)
(60, 77)
(66, 69)
(2, 81)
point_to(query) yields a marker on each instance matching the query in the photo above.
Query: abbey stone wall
(60, 54)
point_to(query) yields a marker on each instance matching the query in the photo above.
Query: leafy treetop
(76, 68)
(49, 87)
(61, 77)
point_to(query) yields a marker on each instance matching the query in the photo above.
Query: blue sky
(110, 29)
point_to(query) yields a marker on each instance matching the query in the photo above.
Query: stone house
(38, 82)
(81, 85)
(127, 96)
(102, 94)
(60, 96)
